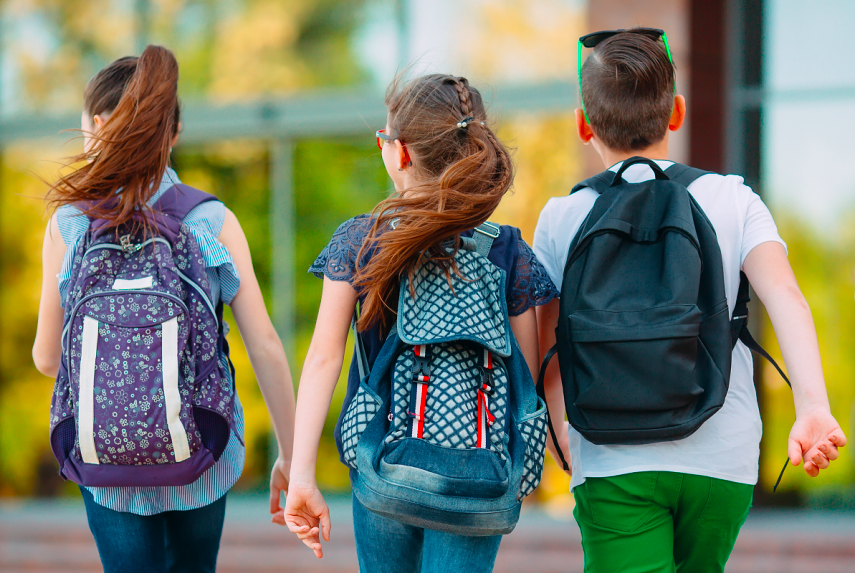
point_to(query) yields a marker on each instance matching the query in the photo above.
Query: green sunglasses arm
(581, 99)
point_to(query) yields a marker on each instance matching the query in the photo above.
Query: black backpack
(644, 337)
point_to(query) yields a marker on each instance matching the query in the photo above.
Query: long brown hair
(462, 174)
(131, 150)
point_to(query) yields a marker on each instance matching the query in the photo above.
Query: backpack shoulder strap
(484, 235)
(174, 205)
(541, 392)
(180, 199)
(359, 348)
(598, 183)
(684, 175)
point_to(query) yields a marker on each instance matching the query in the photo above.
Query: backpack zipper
(186, 279)
(120, 248)
(115, 293)
(198, 289)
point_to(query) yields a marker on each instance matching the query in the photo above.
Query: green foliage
(24, 393)
(333, 180)
(239, 49)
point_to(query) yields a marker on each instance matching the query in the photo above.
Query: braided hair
(462, 87)
(462, 172)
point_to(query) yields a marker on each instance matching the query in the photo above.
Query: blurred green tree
(243, 49)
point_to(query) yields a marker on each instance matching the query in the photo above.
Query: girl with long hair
(450, 172)
(130, 122)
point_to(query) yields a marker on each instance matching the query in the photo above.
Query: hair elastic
(464, 123)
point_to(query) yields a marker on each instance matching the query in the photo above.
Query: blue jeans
(173, 541)
(387, 546)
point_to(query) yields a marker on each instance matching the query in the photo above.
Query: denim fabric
(527, 284)
(427, 504)
(387, 546)
(173, 541)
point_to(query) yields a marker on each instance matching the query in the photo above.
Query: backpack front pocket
(634, 362)
(360, 412)
(133, 404)
(533, 429)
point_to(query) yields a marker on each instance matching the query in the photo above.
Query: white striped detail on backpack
(485, 417)
(421, 396)
(86, 403)
(171, 395)
(132, 284)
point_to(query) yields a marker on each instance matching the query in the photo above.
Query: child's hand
(815, 437)
(278, 483)
(306, 515)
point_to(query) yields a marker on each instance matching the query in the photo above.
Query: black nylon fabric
(644, 340)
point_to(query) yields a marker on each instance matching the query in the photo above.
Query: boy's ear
(678, 115)
(582, 128)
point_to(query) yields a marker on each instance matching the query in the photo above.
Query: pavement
(52, 535)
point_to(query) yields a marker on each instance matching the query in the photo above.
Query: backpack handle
(657, 171)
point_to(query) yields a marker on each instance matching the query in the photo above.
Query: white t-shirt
(727, 446)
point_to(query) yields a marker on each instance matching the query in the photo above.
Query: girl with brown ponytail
(130, 122)
(450, 172)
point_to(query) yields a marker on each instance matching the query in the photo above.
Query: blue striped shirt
(205, 223)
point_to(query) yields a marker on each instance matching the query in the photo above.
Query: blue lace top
(528, 284)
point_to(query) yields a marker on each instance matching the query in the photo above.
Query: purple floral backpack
(141, 397)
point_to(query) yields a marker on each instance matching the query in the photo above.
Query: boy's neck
(611, 157)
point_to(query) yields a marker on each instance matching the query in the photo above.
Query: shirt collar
(169, 179)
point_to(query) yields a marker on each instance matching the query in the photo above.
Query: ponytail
(463, 172)
(131, 150)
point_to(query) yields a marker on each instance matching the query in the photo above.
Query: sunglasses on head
(383, 137)
(596, 38)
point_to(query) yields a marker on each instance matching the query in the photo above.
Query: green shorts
(659, 522)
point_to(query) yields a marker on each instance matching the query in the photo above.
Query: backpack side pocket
(360, 412)
(533, 428)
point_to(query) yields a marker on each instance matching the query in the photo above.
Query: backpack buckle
(487, 382)
(127, 246)
(421, 370)
(421, 364)
(490, 229)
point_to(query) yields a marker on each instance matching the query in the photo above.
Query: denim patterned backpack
(447, 432)
(141, 397)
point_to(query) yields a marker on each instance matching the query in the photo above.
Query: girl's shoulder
(528, 283)
(506, 247)
(337, 261)
(72, 223)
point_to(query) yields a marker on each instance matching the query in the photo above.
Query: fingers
(310, 538)
(811, 469)
(837, 437)
(274, 499)
(794, 451)
(308, 534)
(279, 518)
(817, 458)
(829, 450)
(325, 523)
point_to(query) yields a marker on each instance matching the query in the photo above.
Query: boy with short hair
(680, 503)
